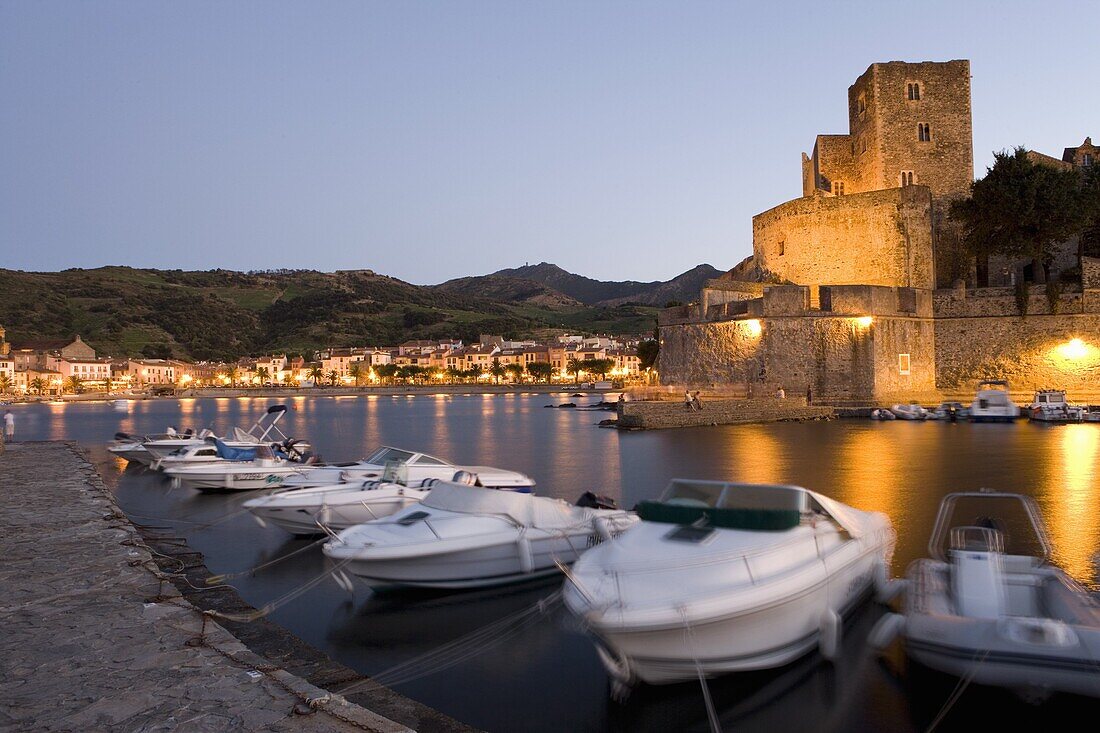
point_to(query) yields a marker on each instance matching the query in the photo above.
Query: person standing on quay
(9, 426)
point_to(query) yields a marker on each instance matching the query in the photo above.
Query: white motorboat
(462, 536)
(993, 615)
(992, 403)
(240, 469)
(264, 430)
(386, 464)
(912, 411)
(1092, 413)
(722, 577)
(340, 506)
(133, 447)
(1050, 405)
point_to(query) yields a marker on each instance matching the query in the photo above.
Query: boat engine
(591, 500)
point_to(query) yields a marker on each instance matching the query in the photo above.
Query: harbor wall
(653, 415)
(1031, 352)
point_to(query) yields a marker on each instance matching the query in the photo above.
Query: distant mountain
(510, 290)
(221, 314)
(683, 287)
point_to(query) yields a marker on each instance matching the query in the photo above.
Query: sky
(432, 140)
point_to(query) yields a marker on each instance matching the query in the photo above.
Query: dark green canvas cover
(750, 519)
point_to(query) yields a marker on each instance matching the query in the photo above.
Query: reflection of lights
(1071, 498)
(864, 321)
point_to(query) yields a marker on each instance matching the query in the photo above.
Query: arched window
(924, 132)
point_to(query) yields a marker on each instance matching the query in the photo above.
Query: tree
(38, 385)
(497, 370)
(1021, 209)
(5, 382)
(515, 371)
(600, 366)
(474, 371)
(75, 384)
(232, 374)
(647, 353)
(333, 377)
(264, 374)
(1090, 235)
(355, 371)
(540, 370)
(454, 374)
(574, 367)
(386, 371)
(316, 373)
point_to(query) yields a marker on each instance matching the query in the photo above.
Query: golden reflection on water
(872, 465)
(1070, 499)
(757, 457)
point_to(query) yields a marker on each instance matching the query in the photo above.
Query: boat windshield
(385, 455)
(396, 472)
(986, 520)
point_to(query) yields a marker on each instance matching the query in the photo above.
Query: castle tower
(909, 124)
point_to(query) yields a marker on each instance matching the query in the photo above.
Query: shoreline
(289, 392)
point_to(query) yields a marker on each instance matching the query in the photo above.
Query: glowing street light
(1075, 349)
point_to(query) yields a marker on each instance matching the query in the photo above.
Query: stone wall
(728, 352)
(1031, 352)
(878, 238)
(651, 415)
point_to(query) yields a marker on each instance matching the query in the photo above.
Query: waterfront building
(859, 291)
(150, 371)
(93, 373)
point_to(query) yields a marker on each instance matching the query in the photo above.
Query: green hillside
(220, 314)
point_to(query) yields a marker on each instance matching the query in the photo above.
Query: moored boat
(463, 536)
(988, 607)
(912, 411)
(721, 577)
(1050, 405)
(992, 403)
(238, 469)
(340, 506)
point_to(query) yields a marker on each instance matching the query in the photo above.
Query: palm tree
(38, 385)
(497, 370)
(5, 382)
(316, 373)
(75, 384)
(355, 371)
(263, 373)
(232, 374)
(516, 371)
(332, 377)
(475, 371)
(540, 370)
(574, 365)
(455, 374)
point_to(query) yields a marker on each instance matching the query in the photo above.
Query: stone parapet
(1002, 302)
(654, 415)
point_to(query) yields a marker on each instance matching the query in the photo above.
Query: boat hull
(230, 481)
(482, 566)
(764, 636)
(303, 520)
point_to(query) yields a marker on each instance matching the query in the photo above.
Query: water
(547, 678)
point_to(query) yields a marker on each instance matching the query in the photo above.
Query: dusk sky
(620, 140)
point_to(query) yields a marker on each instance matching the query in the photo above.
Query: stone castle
(857, 290)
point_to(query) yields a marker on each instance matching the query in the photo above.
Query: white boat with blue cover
(987, 606)
(340, 506)
(722, 577)
(463, 536)
(238, 469)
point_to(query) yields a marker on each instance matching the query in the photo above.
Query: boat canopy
(230, 453)
(758, 507)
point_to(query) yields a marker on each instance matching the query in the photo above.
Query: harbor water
(545, 676)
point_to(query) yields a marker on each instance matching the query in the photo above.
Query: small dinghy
(912, 411)
(997, 616)
(722, 577)
(340, 506)
(463, 536)
(950, 412)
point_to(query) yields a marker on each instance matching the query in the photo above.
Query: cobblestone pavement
(93, 639)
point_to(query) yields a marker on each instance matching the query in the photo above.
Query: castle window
(907, 178)
(838, 188)
(924, 132)
(782, 246)
(1086, 159)
(903, 364)
(862, 103)
(913, 91)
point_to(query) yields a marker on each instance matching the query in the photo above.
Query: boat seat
(977, 572)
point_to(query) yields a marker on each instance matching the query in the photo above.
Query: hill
(221, 314)
(683, 287)
(509, 289)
